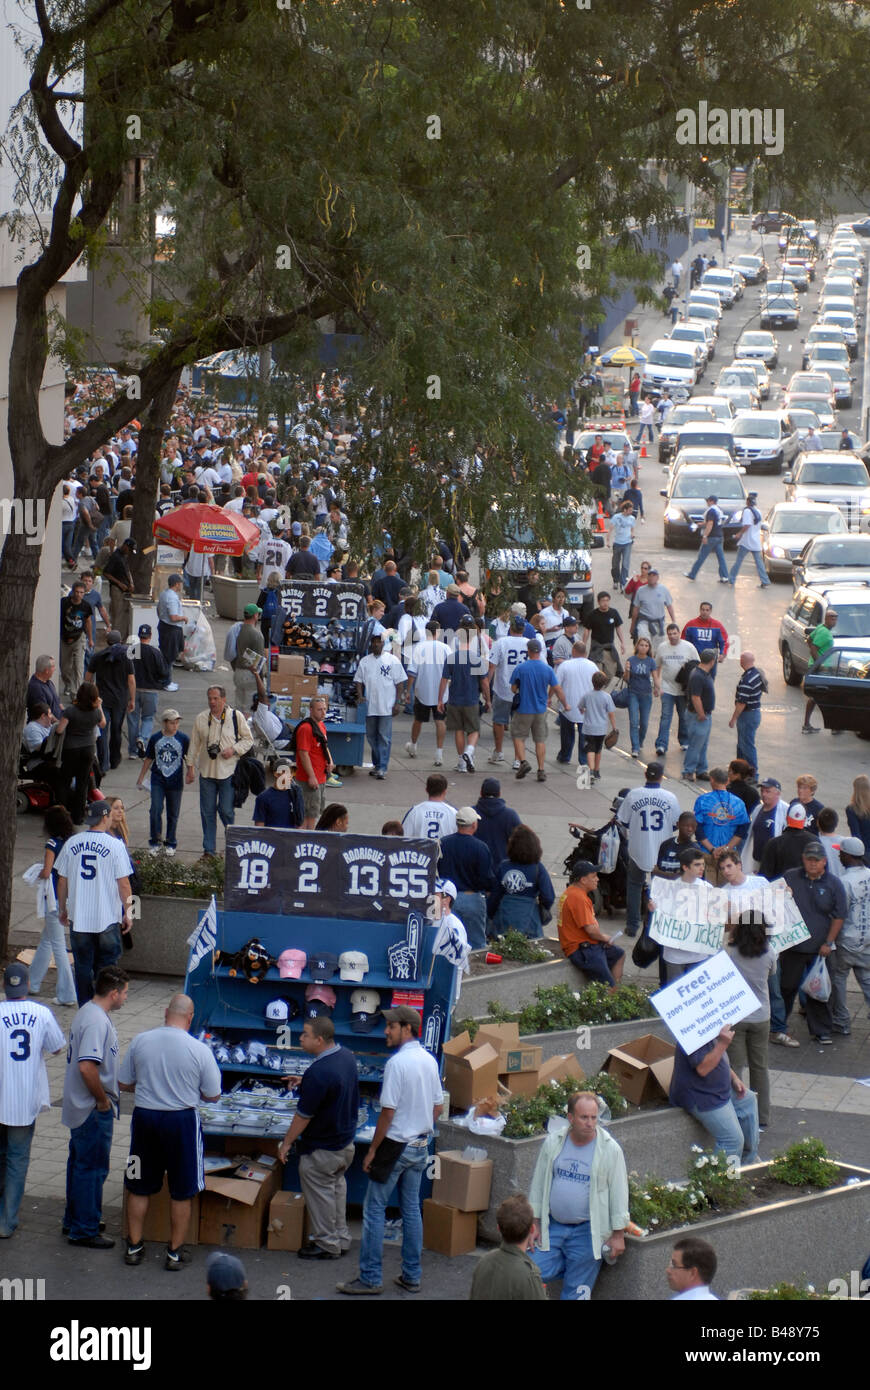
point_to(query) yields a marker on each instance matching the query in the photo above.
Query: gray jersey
(92, 1038)
(170, 1069)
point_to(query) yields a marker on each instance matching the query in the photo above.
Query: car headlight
(777, 552)
(766, 453)
(673, 514)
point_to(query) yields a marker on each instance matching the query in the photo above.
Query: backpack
(682, 676)
(318, 734)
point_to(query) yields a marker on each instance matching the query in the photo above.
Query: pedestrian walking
(151, 673)
(621, 535)
(700, 703)
(634, 392)
(27, 1031)
(649, 815)
(170, 1073)
(52, 943)
(380, 680)
(506, 654)
(706, 631)
(723, 822)
(465, 675)
(80, 722)
(712, 541)
(467, 863)
(112, 671)
(90, 1103)
(497, 820)
(820, 641)
(676, 272)
(411, 1100)
(602, 631)
(747, 709)
(649, 604)
(220, 736)
(534, 682)
(671, 657)
(250, 650)
(647, 415)
(575, 678)
(429, 657)
(599, 719)
(643, 684)
(315, 768)
(76, 635)
(93, 897)
(323, 1130)
(853, 943)
(164, 759)
(749, 541)
(117, 571)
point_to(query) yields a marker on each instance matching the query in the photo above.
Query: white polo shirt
(412, 1087)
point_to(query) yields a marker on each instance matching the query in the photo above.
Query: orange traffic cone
(643, 453)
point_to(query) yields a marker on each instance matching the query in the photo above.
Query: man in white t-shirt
(749, 541)
(380, 680)
(671, 655)
(687, 897)
(433, 818)
(429, 658)
(575, 678)
(93, 897)
(27, 1030)
(507, 654)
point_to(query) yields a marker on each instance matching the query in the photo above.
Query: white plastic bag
(199, 652)
(480, 1124)
(817, 984)
(608, 850)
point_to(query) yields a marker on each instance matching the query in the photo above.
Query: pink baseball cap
(325, 993)
(291, 964)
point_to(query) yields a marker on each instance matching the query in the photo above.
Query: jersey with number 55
(92, 862)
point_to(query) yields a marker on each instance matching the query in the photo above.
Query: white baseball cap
(353, 965)
(364, 1006)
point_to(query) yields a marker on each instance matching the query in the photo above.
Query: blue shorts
(501, 711)
(596, 959)
(165, 1142)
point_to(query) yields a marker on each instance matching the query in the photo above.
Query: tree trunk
(154, 422)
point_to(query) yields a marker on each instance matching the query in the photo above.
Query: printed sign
(322, 874)
(698, 1005)
(310, 599)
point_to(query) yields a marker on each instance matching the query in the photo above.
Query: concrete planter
(812, 1237)
(231, 595)
(666, 1133)
(602, 1037)
(514, 988)
(160, 935)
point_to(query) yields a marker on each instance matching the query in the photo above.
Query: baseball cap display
(325, 993)
(796, 816)
(322, 966)
(291, 964)
(353, 965)
(316, 1008)
(364, 1007)
(277, 1011)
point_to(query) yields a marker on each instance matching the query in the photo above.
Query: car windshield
(762, 427)
(617, 439)
(853, 619)
(696, 437)
(830, 352)
(845, 321)
(702, 311)
(779, 304)
(806, 523)
(811, 401)
(839, 373)
(834, 474)
(734, 376)
(662, 358)
(852, 551)
(709, 485)
(717, 277)
(748, 262)
(756, 340)
(684, 414)
(830, 439)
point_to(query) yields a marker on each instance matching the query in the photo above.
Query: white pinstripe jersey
(27, 1030)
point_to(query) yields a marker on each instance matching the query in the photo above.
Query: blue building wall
(610, 331)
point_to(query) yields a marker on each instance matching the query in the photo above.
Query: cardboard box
(234, 1211)
(157, 1218)
(565, 1067)
(448, 1230)
(286, 1225)
(643, 1068)
(512, 1054)
(461, 1182)
(251, 1147)
(288, 665)
(470, 1071)
(520, 1083)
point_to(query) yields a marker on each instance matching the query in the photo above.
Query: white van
(673, 364)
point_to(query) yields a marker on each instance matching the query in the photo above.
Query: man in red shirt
(314, 762)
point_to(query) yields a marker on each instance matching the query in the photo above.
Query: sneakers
(495, 757)
(333, 781)
(542, 776)
(379, 776)
(170, 850)
(140, 748)
(154, 849)
(175, 1259)
(468, 759)
(808, 729)
(92, 1242)
(356, 1286)
(724, 581)
(411, 750)
(439, 761)
(402, 1283)
(824, 1039)
(460, 766)
(660, 752)
(523, 769)
(687, 574)
(784, 1040)
(596, 776)
(134, 1254)
(515, 764)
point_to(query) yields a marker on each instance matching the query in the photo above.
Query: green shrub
(712, 1184)
(164, 876)
(787, 1293)
(517, 947)
(805, 1164)
(557, 1008)
(528, 1115)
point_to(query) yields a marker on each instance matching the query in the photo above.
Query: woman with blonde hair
(118, 819)
(858, 813)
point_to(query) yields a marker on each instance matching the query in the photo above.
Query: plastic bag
(608, 849)
(480, 1124)
(199, 652)
(817, 981)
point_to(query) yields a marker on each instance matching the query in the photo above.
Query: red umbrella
(207, 530)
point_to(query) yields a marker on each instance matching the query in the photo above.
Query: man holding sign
(704, 1085)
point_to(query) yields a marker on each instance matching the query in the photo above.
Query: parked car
(833, 559)
(757, 344)
(839, 682)
(686, 502)
(807, 610)
(764, 441)
(788, 528)
(841, 479)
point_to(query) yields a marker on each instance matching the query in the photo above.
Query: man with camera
(220, 736)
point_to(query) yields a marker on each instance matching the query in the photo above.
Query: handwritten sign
(693, 916)
(698, 1005)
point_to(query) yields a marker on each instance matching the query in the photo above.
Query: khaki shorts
(463, 719)
(535, 724)
(315, 800)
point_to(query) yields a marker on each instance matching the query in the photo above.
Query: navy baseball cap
(144, 630)
(16, 980)
(224, 1272)
(771, 782)
(322, 966)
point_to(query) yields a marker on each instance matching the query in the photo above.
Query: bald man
(747, 709)
(170, 1073)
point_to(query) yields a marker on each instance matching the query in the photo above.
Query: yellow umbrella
(622, 357)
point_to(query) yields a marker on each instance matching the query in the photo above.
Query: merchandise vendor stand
(313, 892)
(318, 633)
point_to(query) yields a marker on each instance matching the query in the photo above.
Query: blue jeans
(570, 1259)
(15, 1141)
(713, 546)
(215, 799)
(67, 530)
(53, 943)
(92, 950)
(140, 720)
(109, 742)
(407, 1175)
(741, 555)
(620, 564)
(87, 1168)
(698, 731)
(639, 707)
(635, 880)
(747, 727)
(669, 704)
(379, 732)
(568, 731)
(171, 797)
(639, 436)
(734, 1126)
(778, 1015)
(470, 908)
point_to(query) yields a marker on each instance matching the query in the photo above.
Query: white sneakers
(411, 750)
(495, 757)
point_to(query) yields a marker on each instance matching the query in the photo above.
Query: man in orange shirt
(581, 938)
(314, 766)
